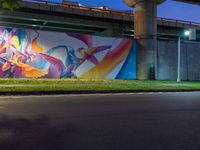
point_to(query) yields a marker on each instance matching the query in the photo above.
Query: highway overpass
(74, 17)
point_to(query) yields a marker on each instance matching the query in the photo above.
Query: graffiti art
(27, 53)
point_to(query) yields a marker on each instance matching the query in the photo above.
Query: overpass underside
(45, 21)
(81, 20)
(59, 18)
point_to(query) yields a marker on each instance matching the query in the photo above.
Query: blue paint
(128, 70)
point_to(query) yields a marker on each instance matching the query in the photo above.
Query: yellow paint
(108, 64)
(5, 66)
(15, 42)
(26, 69)
(36, 47)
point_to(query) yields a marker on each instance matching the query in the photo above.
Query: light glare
(186, 33)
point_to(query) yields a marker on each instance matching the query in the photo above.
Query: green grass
(13, 85)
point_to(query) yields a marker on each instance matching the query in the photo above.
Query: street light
(186, 33)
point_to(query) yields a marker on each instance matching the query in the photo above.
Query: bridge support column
(145, 27)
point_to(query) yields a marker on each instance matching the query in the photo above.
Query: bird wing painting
(27, 53)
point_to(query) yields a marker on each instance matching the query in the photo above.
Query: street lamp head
(187, 33)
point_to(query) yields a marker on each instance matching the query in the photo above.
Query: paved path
(153, 121)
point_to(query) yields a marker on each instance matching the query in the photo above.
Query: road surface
(152, 121)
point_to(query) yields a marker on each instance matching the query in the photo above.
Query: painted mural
(27, 53)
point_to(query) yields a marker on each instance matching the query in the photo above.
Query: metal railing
(178, 21)
(82, 7)
(104, 9)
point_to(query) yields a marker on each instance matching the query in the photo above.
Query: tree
(9, 4)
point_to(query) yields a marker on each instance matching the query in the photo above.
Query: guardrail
(82, 7)
(104, 9)
(100, 9)
(178, 21)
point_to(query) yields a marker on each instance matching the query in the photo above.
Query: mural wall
(26, 53)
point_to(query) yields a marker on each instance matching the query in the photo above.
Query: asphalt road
(162, 121)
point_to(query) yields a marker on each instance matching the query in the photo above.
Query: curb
(89, 92)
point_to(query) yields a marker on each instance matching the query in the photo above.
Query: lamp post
(186, 33)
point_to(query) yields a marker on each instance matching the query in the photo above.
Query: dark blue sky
(169, 9)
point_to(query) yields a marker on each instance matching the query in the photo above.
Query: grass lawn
(15, 85)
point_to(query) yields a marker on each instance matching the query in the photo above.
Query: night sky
(169, 9)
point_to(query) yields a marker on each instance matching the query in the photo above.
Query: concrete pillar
(145, 27)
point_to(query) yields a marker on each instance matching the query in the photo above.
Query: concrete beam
(87, 12)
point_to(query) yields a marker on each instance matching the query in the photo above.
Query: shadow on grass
(37, 134)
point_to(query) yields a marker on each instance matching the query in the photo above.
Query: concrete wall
(167, 60)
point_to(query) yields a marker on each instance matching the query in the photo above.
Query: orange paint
(36, 47)
(110, 61)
